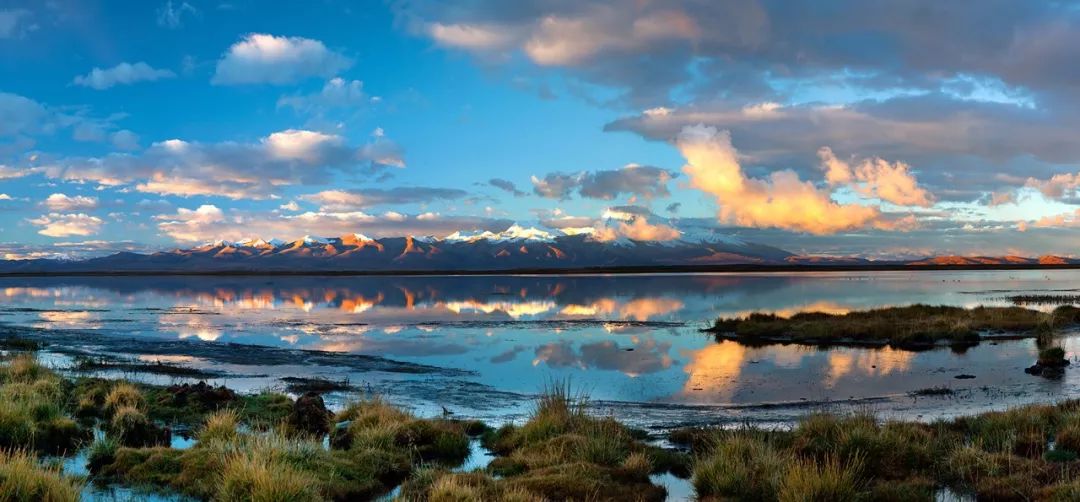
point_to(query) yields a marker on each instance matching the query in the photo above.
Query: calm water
(482, 346)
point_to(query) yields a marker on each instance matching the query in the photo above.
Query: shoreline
(643, 270)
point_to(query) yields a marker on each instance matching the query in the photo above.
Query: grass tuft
(24, 479)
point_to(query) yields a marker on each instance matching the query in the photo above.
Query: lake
(482, 346)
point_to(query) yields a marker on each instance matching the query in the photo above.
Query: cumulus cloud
(208, 223)
(476, 37)
(229, 169)
(780, 201)
(121, 74)
(339, 200)
(1057, 186)
(261, 58)
(637, 228)
(190, 225)
(876, 177)
(929, 83)
(633, 179)
(758, 49)
(59, 202)
(66, 225)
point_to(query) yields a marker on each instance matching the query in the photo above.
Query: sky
(837, 127)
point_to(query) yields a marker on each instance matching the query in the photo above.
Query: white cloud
(187, 225)
(59, 202)
(209, 223)
(122, 74)
(261, 58)
(236, 170)
(473, 37)
(4, 196)
(65, 225)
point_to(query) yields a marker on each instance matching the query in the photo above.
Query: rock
(1052, 371)
(202, 394)
(309, 415)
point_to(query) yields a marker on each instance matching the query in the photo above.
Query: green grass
(914, 325)
(32, 409)
(1002, 455)
(377, 449)
(560, 453)
(95, 398)
(24, 479)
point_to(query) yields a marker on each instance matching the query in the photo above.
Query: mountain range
(517, 248)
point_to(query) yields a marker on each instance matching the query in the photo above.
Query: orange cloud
(876, 177)
(639, 229)
(781, 201)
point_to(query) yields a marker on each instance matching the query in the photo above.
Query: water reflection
(625, 338)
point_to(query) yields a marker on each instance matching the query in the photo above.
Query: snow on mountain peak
(514, 233)
(310, 239)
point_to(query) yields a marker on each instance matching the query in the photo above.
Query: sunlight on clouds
(65, 225)
(876, 178)
(781, 201)
(263, 58)
(639, 229)
(300, 145)
(62, 202)
(471, 36)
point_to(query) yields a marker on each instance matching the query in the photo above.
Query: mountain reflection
(622, 338)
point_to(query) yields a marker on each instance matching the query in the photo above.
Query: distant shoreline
(679, 269)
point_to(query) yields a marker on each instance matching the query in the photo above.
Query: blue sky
(828, 129)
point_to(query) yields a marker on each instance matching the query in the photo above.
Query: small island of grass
(910, 326)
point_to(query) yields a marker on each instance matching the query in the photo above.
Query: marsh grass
(24, 479)
(913, 325)
(1002, 455)
(32, 409)
(97, 398)
(560, 453)
(375, 448)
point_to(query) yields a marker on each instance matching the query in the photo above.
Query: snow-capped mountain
(516, 248)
